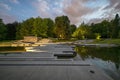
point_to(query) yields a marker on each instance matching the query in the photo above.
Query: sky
(77, 10)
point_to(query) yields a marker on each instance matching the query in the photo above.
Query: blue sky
(77, 10)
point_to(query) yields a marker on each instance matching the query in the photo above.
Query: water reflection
(106, 57)
(11, 50)
(111, 54)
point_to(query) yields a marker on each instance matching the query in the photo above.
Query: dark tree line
(40, 27)
(105, 29)
(60, 28)
(3, 30)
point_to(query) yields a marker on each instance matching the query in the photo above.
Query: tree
(62, 27)
(105, 29)
(50, 25)
(96, 29)
(26, 27)
(115, 26)
(40, 27)
(82, 32)
(35, 27)
(101, 29)
(77, 34)
(2, 30)
(11, 30)
(73, 28)
(18, 31)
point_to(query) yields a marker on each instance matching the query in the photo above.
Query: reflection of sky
(109, 67)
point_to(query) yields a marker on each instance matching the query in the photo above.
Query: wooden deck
(46, 66)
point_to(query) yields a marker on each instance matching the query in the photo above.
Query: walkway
(43, 64)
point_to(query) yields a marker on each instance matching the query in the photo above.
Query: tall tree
(82, 32)
(105, 29)
(50, 25)
(73, 28)
(40, 27)
(101, 29)
(26, 27)
(11, 30)
(62, 27)
(115, 26)
(2, 30)
(18, 31)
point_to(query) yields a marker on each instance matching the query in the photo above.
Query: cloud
(107, 11)
(48, 8)
(76, 9)
(91, 10)
(15, 1)
(97, 20)
(4, 13)
(42, 8)
(7, 18)
(113, 3)
(111, 9)
(5, 6)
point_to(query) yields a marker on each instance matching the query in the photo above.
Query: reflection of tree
(83, 51)
(2, 49)
(106, 54)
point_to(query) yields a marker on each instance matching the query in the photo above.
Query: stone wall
(30, 39)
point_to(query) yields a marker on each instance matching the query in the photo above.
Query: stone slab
(51, 73)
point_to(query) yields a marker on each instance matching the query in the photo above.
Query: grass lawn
(62, 40)
(107, 41)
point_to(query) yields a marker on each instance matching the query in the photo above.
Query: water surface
(11, 49)
(106, 58)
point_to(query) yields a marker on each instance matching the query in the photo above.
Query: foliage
(26, 27)
(82, 32)
(2, 30)
(11, 31)
(115, 26)
(62, 27)
(73, 28)
(18, 31)
(40, 28)
(98, 36)
(105, 29)
(50, 27)
(35, 27)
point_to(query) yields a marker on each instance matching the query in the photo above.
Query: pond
(106, 58)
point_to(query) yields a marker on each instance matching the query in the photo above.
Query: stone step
(27, 54)
(45, 63)
(26, 58)
(65, 54)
